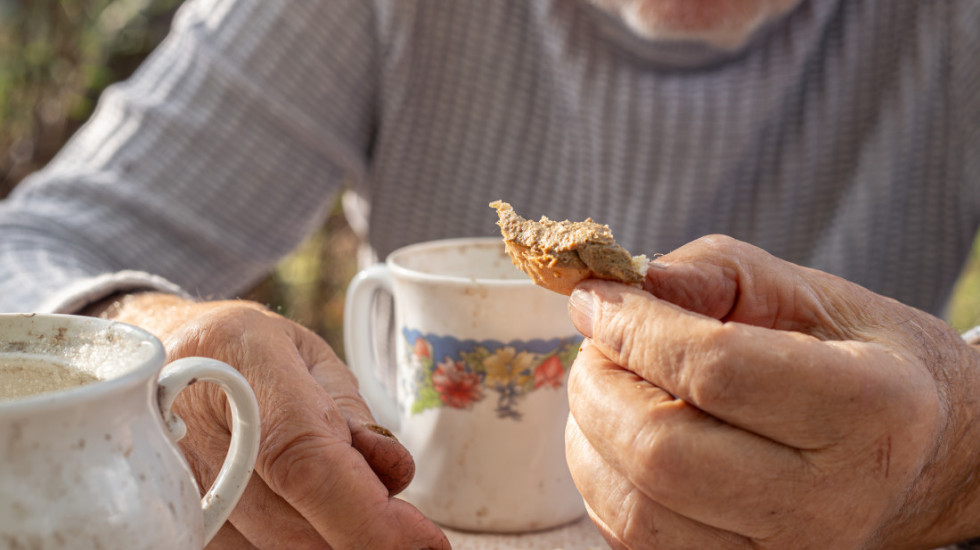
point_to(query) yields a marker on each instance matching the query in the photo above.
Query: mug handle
(228, 487)
(359, 345)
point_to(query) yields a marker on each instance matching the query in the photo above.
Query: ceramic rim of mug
(69, 397)
(478, 242)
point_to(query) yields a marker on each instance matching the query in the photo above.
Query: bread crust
(559, 255)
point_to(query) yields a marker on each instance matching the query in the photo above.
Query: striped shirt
(844, 137)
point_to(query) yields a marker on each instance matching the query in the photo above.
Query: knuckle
(710, 368)
(728, 252)
(218, 332)
(628, 345)
(630, 342)
(229, 319)
(718, 241)
(724, 246)
(636, 529)
(659, 452)
(290, 459)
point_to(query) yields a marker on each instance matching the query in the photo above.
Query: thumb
(726, 279)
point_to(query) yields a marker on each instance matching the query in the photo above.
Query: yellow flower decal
(506, 367)
(472, 371)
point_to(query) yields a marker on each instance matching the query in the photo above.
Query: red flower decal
(549, 373)
(422, 348)
(457, 387)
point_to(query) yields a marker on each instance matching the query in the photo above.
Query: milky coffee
(22, 375)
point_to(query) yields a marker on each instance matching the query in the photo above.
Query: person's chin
(721, 38)
(723, 24)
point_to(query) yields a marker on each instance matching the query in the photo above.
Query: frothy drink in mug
(23, 375)
(88, 455)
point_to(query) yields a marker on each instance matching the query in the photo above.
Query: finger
(331, 374)
(786, 386)
(305, 453)
(726, 279)
(307, 457)
(679, 457)
(389, 460)
(627, 517)
(291, 529)
(258, 502)
(730, 280)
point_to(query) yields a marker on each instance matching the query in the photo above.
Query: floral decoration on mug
(458, 373)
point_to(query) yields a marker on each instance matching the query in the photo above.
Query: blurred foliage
(964, 306)
(57, 56)
(309, 286)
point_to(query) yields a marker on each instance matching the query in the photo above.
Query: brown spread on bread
(559, 254)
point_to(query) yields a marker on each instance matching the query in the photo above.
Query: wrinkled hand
(326, 473)
(757, 404)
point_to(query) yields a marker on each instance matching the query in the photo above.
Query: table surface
(579, 535)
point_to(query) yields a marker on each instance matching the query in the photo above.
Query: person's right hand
(744, 402)
(326, 473)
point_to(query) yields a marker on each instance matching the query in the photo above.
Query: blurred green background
(56, 57)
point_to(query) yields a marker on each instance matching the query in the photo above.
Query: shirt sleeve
(221, 153)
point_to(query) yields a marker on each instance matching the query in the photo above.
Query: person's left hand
(326, 475)
(745, 402)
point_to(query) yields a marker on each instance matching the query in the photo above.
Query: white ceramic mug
(96, 466)
(482, 357)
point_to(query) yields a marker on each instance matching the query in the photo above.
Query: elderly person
(756, 403)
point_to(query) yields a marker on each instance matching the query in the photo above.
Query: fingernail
(581, 308)
(381, 430)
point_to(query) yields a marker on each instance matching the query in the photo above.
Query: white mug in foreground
(96, 465)
(482, 357)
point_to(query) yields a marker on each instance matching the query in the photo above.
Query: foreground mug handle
(235, 472)
(359, 344)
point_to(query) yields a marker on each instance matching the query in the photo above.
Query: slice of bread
(559, 255)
